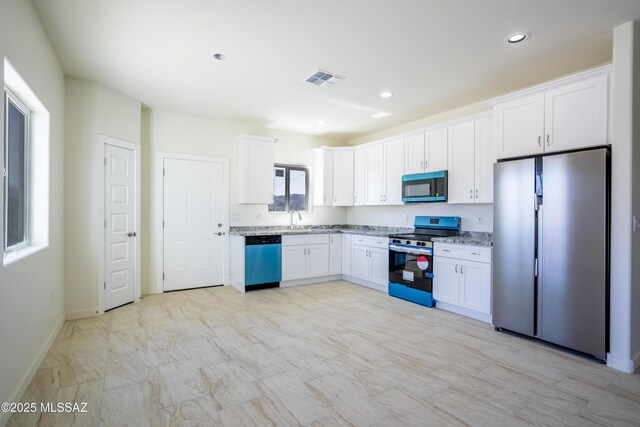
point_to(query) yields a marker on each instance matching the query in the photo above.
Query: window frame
(287, 185)
(9, 97)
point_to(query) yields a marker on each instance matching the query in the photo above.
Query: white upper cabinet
(461, 163)
(484, 160)
(255, 169)
(360, 176)
(426, 152)
(471, 158)
(562, 115)
(519, 126)
(323, 176)
(576, 115)
(436, 150)
(374, 160)
(414, 154)
(343, 177)
(393, 171)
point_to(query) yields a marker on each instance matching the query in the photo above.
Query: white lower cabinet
(463, 279)
(305, 256)
(335, 253)
(370, 259)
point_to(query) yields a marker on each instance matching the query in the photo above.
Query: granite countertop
(473, 238)
(365, 230)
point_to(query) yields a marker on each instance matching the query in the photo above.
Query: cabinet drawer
(471, 253)
(371, 241)
(304, 239)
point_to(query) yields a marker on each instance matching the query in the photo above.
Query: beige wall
(28, 317)
(165, 132)
(92, 110)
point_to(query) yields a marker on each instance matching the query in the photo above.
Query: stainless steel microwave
(424, 187)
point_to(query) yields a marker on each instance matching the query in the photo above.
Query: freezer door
(514, 245)
(572, 285)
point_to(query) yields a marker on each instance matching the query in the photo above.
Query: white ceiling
(433, 54)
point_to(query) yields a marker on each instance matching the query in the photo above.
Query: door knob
(131, 234)
(219, 225)
(220, 233)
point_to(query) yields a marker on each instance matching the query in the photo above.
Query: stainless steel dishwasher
(262, 262)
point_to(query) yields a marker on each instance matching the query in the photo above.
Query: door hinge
(105, 223)
(105, 286)
(164, 172)
(105, 161)
(535, 268)
(162, 224)
(162, 276)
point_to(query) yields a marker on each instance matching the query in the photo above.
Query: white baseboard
(366, 283)
(622, 364)
(81, 314)
(151, 291)
(28, 376)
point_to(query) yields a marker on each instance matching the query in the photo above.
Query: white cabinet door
(318, 260)
(346, 254)
(436, 150)
(294, 262)
(379, 266)
(360, 176)
(461, 163)
(414, 154)
(484, 160)
(360, 262)
(255, 170)
(335, 254)
(576, 115)
(475, 286)
(375, 187)
(323, 177)
(446, 283)
(394, 169)
(343, 177)
(519, 126)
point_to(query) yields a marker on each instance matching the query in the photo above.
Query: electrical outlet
(405, 217)
(479, 219)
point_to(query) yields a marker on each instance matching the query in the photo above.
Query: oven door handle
(410, 250)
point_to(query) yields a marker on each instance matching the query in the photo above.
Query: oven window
(417, 190)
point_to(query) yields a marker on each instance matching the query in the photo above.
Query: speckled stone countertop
(468, 238)
(365, 230)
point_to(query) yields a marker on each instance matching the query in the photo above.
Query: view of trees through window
(290, 188)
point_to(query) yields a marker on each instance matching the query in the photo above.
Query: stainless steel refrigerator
(551, 249)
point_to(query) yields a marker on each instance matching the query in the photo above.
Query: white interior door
(120, 222)
(194, 224)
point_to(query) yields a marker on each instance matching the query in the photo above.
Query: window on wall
(16, 173)
(290, 189)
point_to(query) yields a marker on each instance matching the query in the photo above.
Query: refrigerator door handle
(535, 267)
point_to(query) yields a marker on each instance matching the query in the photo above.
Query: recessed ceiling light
(380, 115)
(517, 37)
(322, 122)
(386, 94)
(219, 56)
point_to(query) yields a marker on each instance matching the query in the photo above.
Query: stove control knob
(408, 242)
(396, 241)
(424, 244)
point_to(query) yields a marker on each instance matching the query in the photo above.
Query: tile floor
(331, 354)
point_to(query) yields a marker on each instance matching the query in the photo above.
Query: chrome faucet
(299, 217)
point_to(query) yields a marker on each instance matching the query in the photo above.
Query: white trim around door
(158, 194)
(103, 142)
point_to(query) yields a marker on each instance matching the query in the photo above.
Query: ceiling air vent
(323, 78)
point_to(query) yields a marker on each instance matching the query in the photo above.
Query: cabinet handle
(471, 194)
(475, 253)
(422, 164)
(456, 268)
(426, 164)
(446, 250)
(461, 272)
(476, 193)
(335, 199)
(539, 141)
(547, 140)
